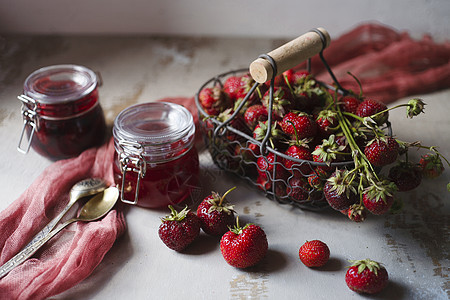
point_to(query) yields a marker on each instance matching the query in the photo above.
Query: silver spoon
(96, 207)
(81, 189)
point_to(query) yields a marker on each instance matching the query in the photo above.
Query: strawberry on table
(243, 247)
(179, 229)
(406, 176)
(314, 253)
(366, 276)
(216, 214)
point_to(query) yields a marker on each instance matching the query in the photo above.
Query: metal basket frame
(215, 139)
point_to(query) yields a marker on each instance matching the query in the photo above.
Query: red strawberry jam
(155, 150)
(61, 111)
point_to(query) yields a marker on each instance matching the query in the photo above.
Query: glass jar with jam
(61, 112)
(156, 162)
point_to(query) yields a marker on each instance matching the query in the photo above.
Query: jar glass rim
(153, 123)
(60, 83)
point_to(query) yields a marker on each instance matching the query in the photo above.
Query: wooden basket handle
(290, 54)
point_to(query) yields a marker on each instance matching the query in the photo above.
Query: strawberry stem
(359, 84)
(224, 195)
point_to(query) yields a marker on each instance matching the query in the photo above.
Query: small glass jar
(156, 162)
(61, 112)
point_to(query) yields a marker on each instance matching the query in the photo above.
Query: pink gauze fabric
(389, 64)
(73, 254)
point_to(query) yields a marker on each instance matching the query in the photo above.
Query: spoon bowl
(95, 208)
(98, 206)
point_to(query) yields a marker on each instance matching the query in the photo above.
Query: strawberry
(263, 182)
(293, 78)
(243, 247)
(381, 151)
(317, 179)
(339, 192)
(298, 152)
(314, 253)
(366, 276)
(307, 93)
(328, 152)
(214, 100)
(276, 135)
(349, 104)
(431, 165)
(297, 189)
(216, 214)
(238, 86)
(179, 229)
(326, 122)
(268, 168)
(255, 114)
(370, 107)
(406, 176)
(378, 197)
(282, 101)
(356, 213)
(298, 124)
(237, 122)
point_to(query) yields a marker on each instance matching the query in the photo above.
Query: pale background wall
(257, 18)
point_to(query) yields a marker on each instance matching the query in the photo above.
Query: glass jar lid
(60, 83)
(159, 131)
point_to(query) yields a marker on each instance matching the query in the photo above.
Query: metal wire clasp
(138, 165)
(29, 115)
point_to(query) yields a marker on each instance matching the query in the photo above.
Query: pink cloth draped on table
(71, 256)
(389, 64)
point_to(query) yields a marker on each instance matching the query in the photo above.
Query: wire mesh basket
(234, 149)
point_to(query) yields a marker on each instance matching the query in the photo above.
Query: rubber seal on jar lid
(60, 83)
(155, 126)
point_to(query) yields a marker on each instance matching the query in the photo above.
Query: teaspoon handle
(41, 234)
(30, 249)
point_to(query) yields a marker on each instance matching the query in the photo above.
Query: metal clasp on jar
(29, 115)
(138, 163)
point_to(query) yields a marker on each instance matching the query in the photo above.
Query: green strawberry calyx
(218, 203)
(380, 190)
(415, 107)
(363, 264)
(237, 229)
(341, 182)
(328, 150)
(176, 216)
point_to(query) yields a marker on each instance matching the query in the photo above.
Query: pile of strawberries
(243, 247)
(309, 145)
